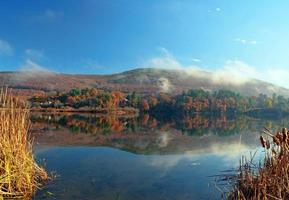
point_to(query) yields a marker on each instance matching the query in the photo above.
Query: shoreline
(118, 111)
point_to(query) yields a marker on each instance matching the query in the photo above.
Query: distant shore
(118, 111)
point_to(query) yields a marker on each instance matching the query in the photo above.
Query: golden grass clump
(270, 178)
(20, 176)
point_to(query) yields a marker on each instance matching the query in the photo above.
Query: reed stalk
(270, 178)
(20, 175)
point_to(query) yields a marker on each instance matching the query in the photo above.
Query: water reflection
(188, 125)
(109, 157)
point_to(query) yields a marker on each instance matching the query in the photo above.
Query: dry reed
(270, 178)
(20, 176)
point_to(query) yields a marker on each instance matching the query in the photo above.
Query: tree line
(188, 102)
(221, 101)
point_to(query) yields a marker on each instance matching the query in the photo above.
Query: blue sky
(108, 36)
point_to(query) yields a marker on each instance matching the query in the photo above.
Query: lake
(109, 157)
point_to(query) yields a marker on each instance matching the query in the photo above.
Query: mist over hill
(147, 80)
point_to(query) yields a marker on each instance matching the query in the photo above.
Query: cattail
(285, 135)
(276, 140)
(263, 141)
(274, 152)
(249, 178)
(279, 135)
(269, 180)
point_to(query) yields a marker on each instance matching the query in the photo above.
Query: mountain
(148, 80)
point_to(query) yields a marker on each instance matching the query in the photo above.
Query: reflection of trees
(219, 125)
(187, 125)
(146, 134)
(87, 124)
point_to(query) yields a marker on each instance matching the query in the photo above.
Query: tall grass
(270, 178)
(20, 176)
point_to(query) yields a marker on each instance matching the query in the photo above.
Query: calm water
(98, 157)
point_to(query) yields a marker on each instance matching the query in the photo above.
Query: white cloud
(232, 72)
(48, 16)
(30, 66)
(215, 10)
(245, 42)
(52, 15)
(166, 61)
(196, 60)
(34, 54)
(5, 48)
(164, 85)
(30, 70)
(277, 76)
(92, 65)
(240, 72)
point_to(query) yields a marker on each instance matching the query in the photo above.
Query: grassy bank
(20, 176)
(270, 178)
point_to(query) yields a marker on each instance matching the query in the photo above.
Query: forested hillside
(142, 81)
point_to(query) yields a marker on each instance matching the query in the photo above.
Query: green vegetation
(20, 175)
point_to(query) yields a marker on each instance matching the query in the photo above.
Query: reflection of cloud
(229, 153)
(140, 144)
(164, 139)
(170, 161)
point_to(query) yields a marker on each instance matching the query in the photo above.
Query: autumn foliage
(191, 101)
